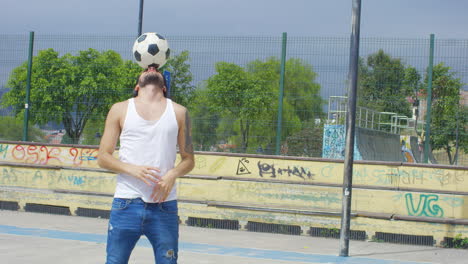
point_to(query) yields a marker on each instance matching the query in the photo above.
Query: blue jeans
(131, 218)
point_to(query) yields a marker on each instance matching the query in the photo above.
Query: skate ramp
(378, 145)
(373, 145)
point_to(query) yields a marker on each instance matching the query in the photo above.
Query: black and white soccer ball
(151, 48)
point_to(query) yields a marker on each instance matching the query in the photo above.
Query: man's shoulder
(180, 112)
(120, 106)
(118, 110)
(178, 108)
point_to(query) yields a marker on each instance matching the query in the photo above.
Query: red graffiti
(16, 149)
(82, 155)
(33, 156)
(74, 153)
(36, 154)
(49, 154)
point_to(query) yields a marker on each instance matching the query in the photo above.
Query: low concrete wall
(401, 198)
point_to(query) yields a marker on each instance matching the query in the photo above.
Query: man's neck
(150, 94)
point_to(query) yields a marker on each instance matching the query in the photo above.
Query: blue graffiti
(425, 206)
(76, 180)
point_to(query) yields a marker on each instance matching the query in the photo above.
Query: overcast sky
(380, 18)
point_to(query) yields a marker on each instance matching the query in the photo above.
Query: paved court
(49, 239)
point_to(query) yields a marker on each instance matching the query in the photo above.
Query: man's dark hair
(156, 79)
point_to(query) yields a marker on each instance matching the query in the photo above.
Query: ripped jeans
(131, 218)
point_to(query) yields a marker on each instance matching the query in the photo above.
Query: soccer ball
(151, 48)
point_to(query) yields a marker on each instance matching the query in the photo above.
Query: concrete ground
(49, 239)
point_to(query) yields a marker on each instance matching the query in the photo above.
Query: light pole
(350, 130)
(140, 18)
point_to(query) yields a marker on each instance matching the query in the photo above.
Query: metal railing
(367, 118)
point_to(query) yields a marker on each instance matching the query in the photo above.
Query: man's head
(151, 76)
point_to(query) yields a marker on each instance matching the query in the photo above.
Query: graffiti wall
(334, 143)
(263, 168)
(49, 155)
(306, 185)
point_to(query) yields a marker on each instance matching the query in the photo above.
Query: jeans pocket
(169, 207)
(120, 204)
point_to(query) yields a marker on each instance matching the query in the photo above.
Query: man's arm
(109, 139)
(184, 140)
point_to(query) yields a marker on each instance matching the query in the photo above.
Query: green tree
(11, 128)
(236, 93)
(204, 120)
(93, 131)
(302, 102)
(306, 142)
(449, 117)
(71, 89)
(412, 81)
(301, 90)
(182, 88)
(412, 87)
(382, 84)
(246, 101)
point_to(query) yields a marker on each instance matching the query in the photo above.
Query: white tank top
(149, 143)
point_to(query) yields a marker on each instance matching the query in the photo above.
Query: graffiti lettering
(296, 171)
(265, 169)
(37, 176)
(4, 150)
(328, 171)
(413, 177)
(82, 155)
(386, 176)
(74, 153)
(56, 178)
(448, 179)
(217, 164)
(52, 154)
(76, 180)
(453, 201)
(88, 158)
(425, 205)
(333, 142)
(9, 176)
(200, 162)
(18, 152)
(242, 168)
(35, 154)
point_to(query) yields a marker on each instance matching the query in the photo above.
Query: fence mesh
(231, 86)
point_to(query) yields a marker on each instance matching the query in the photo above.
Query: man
(150, 126)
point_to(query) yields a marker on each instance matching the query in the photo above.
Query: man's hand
(147, 174)
(163, 188)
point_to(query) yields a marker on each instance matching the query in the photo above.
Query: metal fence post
(281, 94)
(28, 87)
(140, 18)
(427, 136)
(167, 77)
(350, 130)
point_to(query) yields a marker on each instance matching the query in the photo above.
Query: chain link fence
(231, 85)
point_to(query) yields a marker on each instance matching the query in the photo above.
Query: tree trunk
(244, 140)
(449, 154)
(455, 157)
(247, 129)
